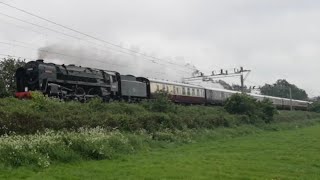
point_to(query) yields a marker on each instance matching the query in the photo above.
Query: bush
(256, 110)
(160, 103)
(241, 104)
(315, 107)
(267, 110)
(43, 149)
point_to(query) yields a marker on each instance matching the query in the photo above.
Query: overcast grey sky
(274, 38)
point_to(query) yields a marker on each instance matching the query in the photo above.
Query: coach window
(183, 91)
(158, 87)
(167, 88)
(193, 92)
(198, 94)
(163, 87)
(178, 90)
(188, 91)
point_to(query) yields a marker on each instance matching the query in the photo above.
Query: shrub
(315, 107)
(241, 104)
(96, 104)
(267, 109)
(256, 110)
(43, 149)
(160, 103)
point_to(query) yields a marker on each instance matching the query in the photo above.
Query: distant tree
(317, 99)
(281, 89)
(237, 87)
(225, 85)
(234, 87)
(8, 67)
(315, 107)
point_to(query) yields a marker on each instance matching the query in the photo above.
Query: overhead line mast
(243, 73)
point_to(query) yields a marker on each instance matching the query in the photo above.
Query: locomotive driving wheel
(94, 92)
(80, 91)
(80, 94)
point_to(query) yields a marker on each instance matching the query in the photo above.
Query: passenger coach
(218, 96)
(179, 92)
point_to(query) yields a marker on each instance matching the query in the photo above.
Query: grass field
(288, 154)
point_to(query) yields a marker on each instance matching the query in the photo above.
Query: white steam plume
(104, 58)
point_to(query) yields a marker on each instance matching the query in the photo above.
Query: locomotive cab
(21, 80)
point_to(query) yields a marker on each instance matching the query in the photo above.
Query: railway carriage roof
(221, 90)
(279, 98)
(175, 83)
(217, 89)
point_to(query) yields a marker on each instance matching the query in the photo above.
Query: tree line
(281, 88)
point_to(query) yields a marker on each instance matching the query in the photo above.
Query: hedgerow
(41, 113)
(43, 131)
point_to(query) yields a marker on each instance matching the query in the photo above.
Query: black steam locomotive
(71, 82)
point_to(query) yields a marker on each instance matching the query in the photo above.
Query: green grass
(285, 154)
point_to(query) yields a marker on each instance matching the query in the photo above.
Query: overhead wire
(42, 27)
(200, 78)
(29, 29)
(90, 36)
(62, 54)
(78, 38)
(37, 25)
(66, 55)
(21, 27)
(7, 55)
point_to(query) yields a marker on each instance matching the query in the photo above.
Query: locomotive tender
(81, 83)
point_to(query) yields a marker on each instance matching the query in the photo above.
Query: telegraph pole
(290, 91)
(242, 83)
